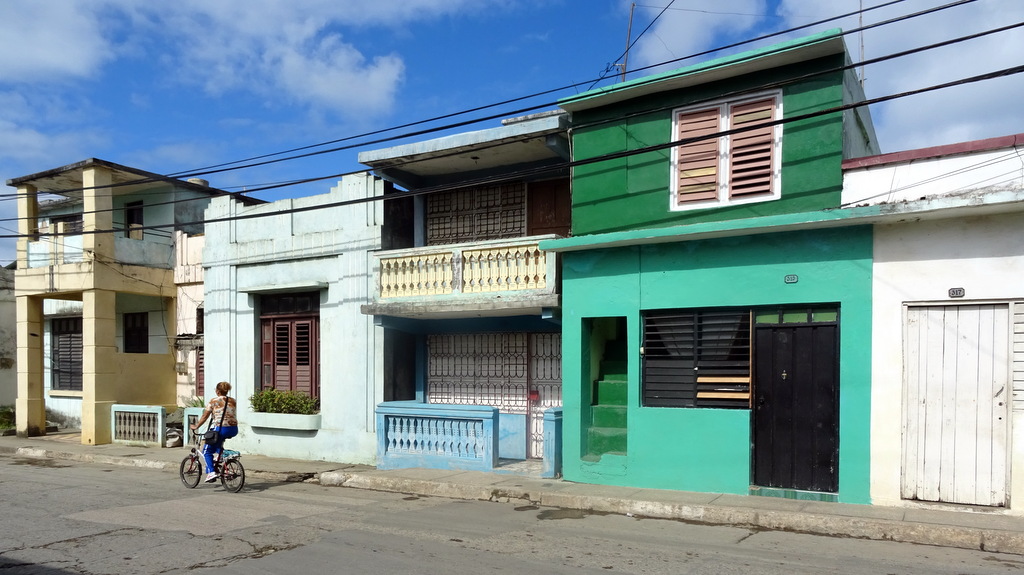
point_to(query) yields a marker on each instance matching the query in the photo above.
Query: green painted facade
(633, 192)
(700, 449)
(736, 257)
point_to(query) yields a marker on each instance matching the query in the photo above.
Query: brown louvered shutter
(750, 152)
(267, 354)
(697, 161)
(200, 372)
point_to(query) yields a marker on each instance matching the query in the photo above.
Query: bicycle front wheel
(190, 471)
(232, 476)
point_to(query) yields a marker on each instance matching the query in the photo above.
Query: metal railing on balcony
(516, 264)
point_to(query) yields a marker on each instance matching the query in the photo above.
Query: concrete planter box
(291, 421)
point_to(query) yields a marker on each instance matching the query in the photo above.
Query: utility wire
(733, 94)
(596, 159)
(630, 46)
(219, 168)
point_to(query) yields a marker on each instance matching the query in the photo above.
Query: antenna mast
(629, 36)
(861, 34)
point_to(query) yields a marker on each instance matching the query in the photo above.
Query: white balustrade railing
(411, 434)
(480, 267)
(141, 425)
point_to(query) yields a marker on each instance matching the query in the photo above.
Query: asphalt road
(66, 517)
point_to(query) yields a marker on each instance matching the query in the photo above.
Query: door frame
(1007, 406)
(759, 355)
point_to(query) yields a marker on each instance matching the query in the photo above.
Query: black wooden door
(796, 408)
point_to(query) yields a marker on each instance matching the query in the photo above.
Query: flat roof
(803, 49)
(972, 146)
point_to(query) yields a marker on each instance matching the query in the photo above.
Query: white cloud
(51, 41)
(296, 55)
(27, 140)
(951, 115)
(686, 29)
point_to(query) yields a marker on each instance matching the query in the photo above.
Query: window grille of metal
(545, 384)
(478, 369)
(477, 213)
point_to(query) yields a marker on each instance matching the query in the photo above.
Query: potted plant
(277, 409)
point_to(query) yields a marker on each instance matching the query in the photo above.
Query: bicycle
(226, 465)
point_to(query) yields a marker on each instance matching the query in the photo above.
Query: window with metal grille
(697, 358)
(477, 213)
(290, 328)
(66, 354)
(727, 169)
(136, 332)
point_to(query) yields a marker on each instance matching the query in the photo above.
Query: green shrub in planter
(7, 419)
(276, 401)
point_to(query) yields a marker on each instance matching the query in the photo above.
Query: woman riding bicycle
(224, 422)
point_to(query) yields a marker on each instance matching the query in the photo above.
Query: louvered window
(290, 334)
(66, 355)
(697, 358)
(739, 167)
(136, 332)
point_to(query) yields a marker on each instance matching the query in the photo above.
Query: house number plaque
(957, 292)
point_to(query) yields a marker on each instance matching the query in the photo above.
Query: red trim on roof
(935, 152)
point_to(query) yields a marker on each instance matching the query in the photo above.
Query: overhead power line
(733, 94)
(593, 160)
(265, 158)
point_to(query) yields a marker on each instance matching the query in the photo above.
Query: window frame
(678, 343)
(64, 345)
(724, 185)
(134, 220)
(135, 334)
(290, 320)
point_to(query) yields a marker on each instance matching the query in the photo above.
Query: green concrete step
(614, 370)
(611, 392)
(609, 415)
(606, 440)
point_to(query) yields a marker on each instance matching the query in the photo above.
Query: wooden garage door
(956, 392)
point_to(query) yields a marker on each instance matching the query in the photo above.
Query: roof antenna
(861, 34)
(629, 36)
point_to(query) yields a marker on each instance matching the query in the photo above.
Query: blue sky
(171, 87)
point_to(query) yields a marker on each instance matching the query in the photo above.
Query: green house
(716, 314)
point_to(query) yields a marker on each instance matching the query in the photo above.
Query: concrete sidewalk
(967, 528)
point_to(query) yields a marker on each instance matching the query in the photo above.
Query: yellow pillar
(97, 203)
(28, 222)
(99, 365)
(30, 405)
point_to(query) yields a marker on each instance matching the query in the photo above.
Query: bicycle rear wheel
(232, 475)
(190, 471)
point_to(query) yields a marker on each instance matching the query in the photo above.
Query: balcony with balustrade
(478, 279)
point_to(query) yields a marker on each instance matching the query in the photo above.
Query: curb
(990, 540)
(36, 453)
(962, 537)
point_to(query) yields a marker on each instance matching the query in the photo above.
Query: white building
(948, 322)
(284, 282)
